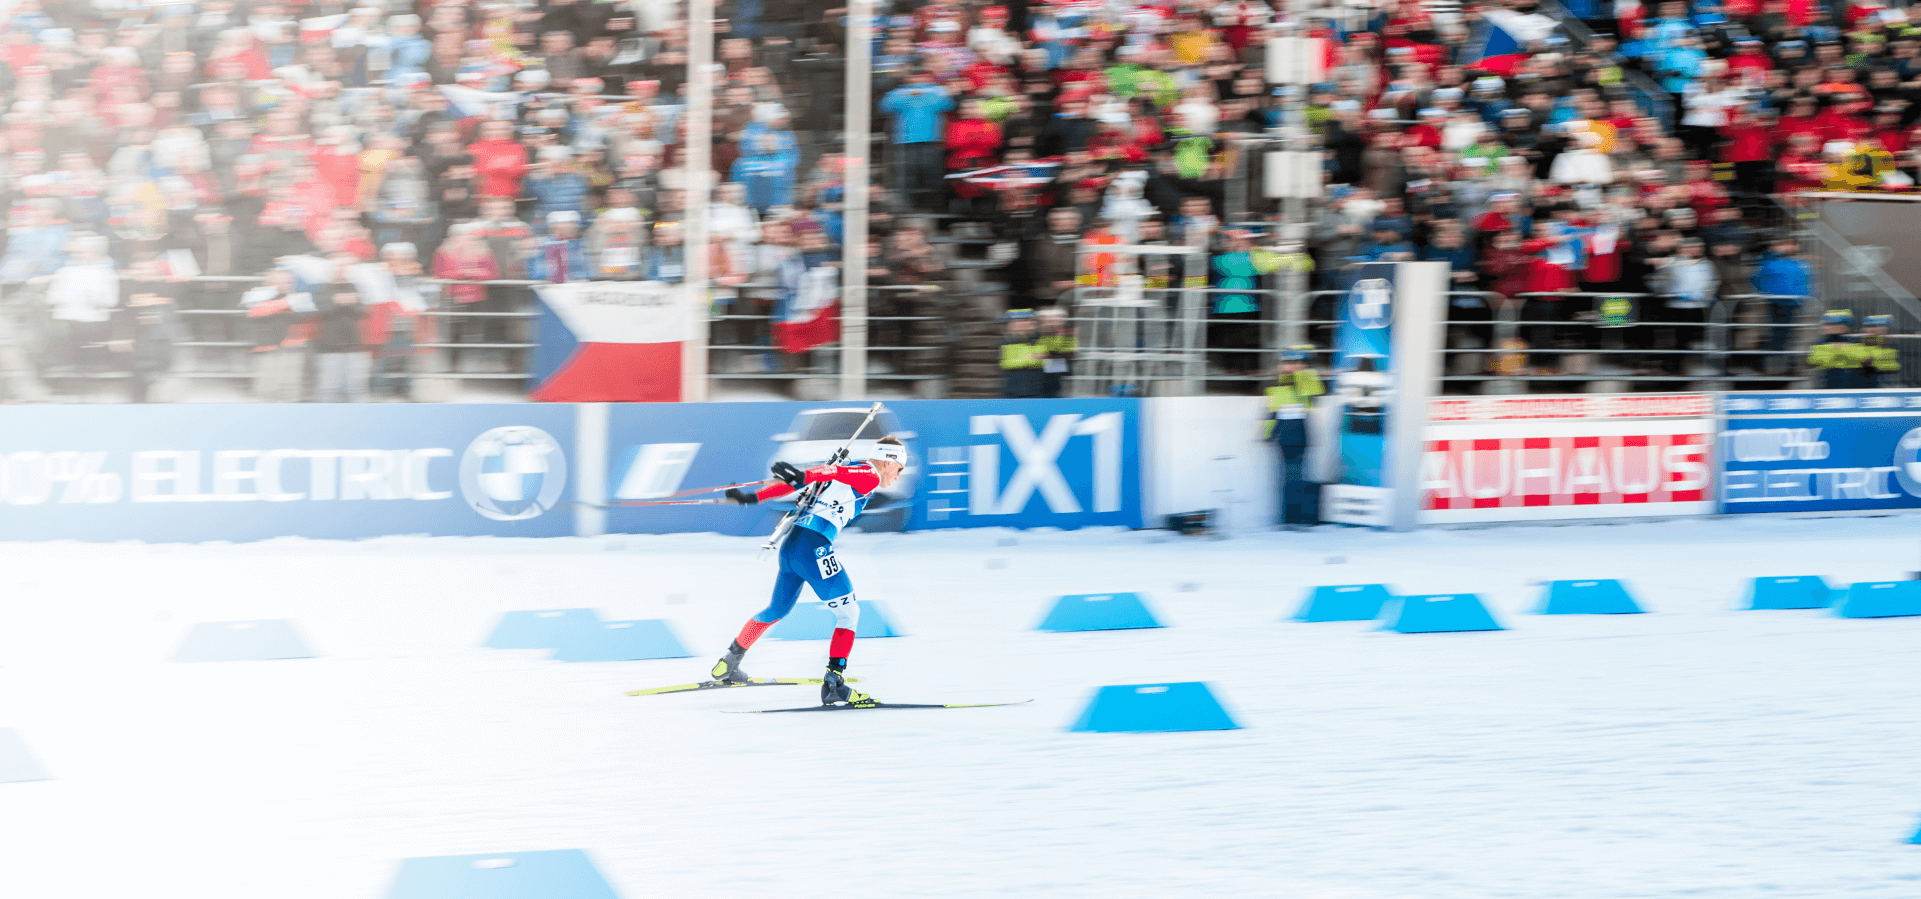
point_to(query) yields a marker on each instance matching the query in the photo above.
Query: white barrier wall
(1206, 452)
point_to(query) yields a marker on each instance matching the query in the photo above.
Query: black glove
(789, 475)
(743, 497)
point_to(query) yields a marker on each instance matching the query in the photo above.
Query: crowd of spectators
(338, 164)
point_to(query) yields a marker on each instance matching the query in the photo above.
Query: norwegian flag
(1001, 177)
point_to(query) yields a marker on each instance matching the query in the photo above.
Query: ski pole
(699, 490)
(673, 502)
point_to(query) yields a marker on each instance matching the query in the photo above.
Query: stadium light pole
(700, 173)
(853, 252)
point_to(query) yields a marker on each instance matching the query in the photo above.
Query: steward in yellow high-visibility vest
(1883, 362)
(1057, 345)
(1021, 356)
(1287, 404)
(1838, 356)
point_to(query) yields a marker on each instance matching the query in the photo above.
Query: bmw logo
(1370, 303)
(513, 473)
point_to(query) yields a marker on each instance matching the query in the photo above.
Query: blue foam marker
(1596, 597)
(621, 641)
(1916, 839)
(540, 628)
(1881, 599)
(17, 765)
(815, 621)
(1438, 614)
(550, 874)
(1098, 612)
(1803, 592)
(242, 641)
(1344, 602)
(1154, 708)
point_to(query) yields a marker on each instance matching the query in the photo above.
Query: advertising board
(1567, 458)
(970, 463)
(167, 474)
(1821, 451)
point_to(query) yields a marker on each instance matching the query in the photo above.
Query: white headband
(892, 452)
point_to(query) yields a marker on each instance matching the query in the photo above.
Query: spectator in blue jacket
(561, 256)
(769, 159)
(38, 245)
(1785, 280)
(407, 51)
(556, 186)
(919, 108)
(1387, 245)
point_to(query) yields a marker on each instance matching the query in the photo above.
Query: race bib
(829, 566)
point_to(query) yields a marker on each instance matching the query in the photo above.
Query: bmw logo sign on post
(1373, 301)
(513, 473)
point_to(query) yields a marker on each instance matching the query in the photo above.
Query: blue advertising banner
(1821, 451)
(971, 463)
(192, 473)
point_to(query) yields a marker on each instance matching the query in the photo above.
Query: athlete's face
(888, 470)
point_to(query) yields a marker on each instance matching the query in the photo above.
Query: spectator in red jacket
(1801, 119)
(1750, 149)
(973, 142)
(1846, 118)
(499, 159)
(1801, 167)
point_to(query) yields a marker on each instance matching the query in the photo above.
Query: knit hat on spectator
(1837, 317)
(1878, 321)
(563, 217)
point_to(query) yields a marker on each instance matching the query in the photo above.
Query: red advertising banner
(1631, 405)
(1621, 460)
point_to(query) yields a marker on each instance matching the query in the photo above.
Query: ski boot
(727, 670)
(834, 690)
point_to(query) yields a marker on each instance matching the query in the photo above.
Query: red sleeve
(860, 477)
(776, 490)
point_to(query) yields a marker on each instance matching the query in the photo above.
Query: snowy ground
(1696, 751)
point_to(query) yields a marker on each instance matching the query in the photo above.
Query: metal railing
(208, 346)
(1589, 346)
(1166, 342)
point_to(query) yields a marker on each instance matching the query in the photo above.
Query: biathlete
(807, 557)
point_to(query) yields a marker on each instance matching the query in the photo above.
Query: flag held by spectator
(811, 316)
(611, 342)
(1001, 177)
(1500, 44)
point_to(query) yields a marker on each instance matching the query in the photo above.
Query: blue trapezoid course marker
(1098, 612)
(1344, 602)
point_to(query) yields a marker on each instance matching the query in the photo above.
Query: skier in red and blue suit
(807, 557)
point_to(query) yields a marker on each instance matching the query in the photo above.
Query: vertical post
(590, 469)
(700, 174)
(1420, 318)
(853, 251)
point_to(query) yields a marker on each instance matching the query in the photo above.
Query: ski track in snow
(1694, 751)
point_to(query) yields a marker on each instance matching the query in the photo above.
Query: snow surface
(1694, 751)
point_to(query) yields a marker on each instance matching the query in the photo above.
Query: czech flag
(611, 342)
(1499, 46)
(1001, 177)
(811, 316)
